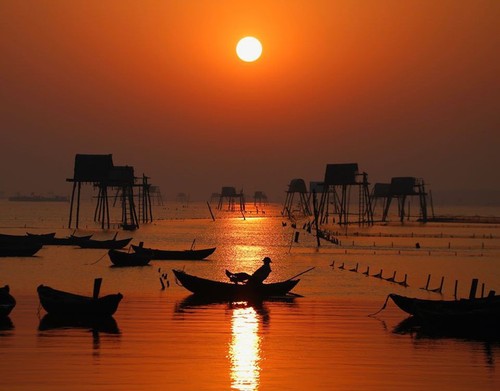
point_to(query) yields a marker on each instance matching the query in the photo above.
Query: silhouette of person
(261, 273)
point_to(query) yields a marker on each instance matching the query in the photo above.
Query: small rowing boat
(52, 240)
(104, 244)
(182, 255)
(217, 289)
(71, 305)
(464, 313)
(122, 258)
(19, 248)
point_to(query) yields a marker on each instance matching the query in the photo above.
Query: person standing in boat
(261, 273)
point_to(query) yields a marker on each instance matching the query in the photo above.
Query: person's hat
(267, 260)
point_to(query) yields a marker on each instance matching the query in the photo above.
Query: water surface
(160, 339)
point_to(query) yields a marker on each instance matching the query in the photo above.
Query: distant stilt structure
(145, 205)
(296, 187)
(122, 178)
(100, 171)
(182, 198)
(214, 197)
(380, 191)
(340, 179)
(314, 186)
(90, 169)
(259, 198)
(401, 188)
(156, 196)
(229, 195)
(123, 193)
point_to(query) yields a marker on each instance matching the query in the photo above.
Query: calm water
(323, 340)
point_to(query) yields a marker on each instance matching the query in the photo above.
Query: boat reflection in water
(248, 319)
(6, 324)
(244, 350)
(106, 325)
(489, 337)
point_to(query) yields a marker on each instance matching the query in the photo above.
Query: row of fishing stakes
(472, 293)
(378, 275)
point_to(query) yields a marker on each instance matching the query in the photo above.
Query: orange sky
(403, 88)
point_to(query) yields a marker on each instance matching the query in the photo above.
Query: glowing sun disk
(249, 49)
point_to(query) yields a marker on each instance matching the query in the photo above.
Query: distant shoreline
(465, 219)
(38, 198)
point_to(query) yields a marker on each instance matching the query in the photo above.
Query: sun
(249, 49)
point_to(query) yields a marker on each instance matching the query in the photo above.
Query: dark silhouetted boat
(122, 258)
(42, 238)
(52, 240)
(105, 244)
(19, 248)
(22, 238)
(7, 301)
(65, 304)
(464, 313)
(225, 290)
(183, 255)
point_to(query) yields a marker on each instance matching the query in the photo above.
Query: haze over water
(323, 340)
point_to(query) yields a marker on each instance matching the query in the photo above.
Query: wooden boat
(105, 244)
(18, 248)
(52, 240)
(475, 312)
(8, 238)
(7, 301)
(43, 238)
(70, 240)
(122, 258)
(217, 289)
(184, 255)
(71, 305)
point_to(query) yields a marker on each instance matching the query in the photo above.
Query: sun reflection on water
(244, 351)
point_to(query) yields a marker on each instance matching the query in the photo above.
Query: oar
(305, 271)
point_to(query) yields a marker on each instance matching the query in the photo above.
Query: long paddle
(305, 271)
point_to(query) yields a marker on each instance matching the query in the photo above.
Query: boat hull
(122, 259)
(465, 313)
(217, 289)
(182, 255)
(19, 249)
(71, 305)
(104, 244)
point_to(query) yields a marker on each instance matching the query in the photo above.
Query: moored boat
(10, 238)
(183, 255)
(18, 248)
(7, 301)
(42, 238)
(218, 289)
(52, 240)
(72, 305)
(104, 244)
(464, 313)
(122, 258)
